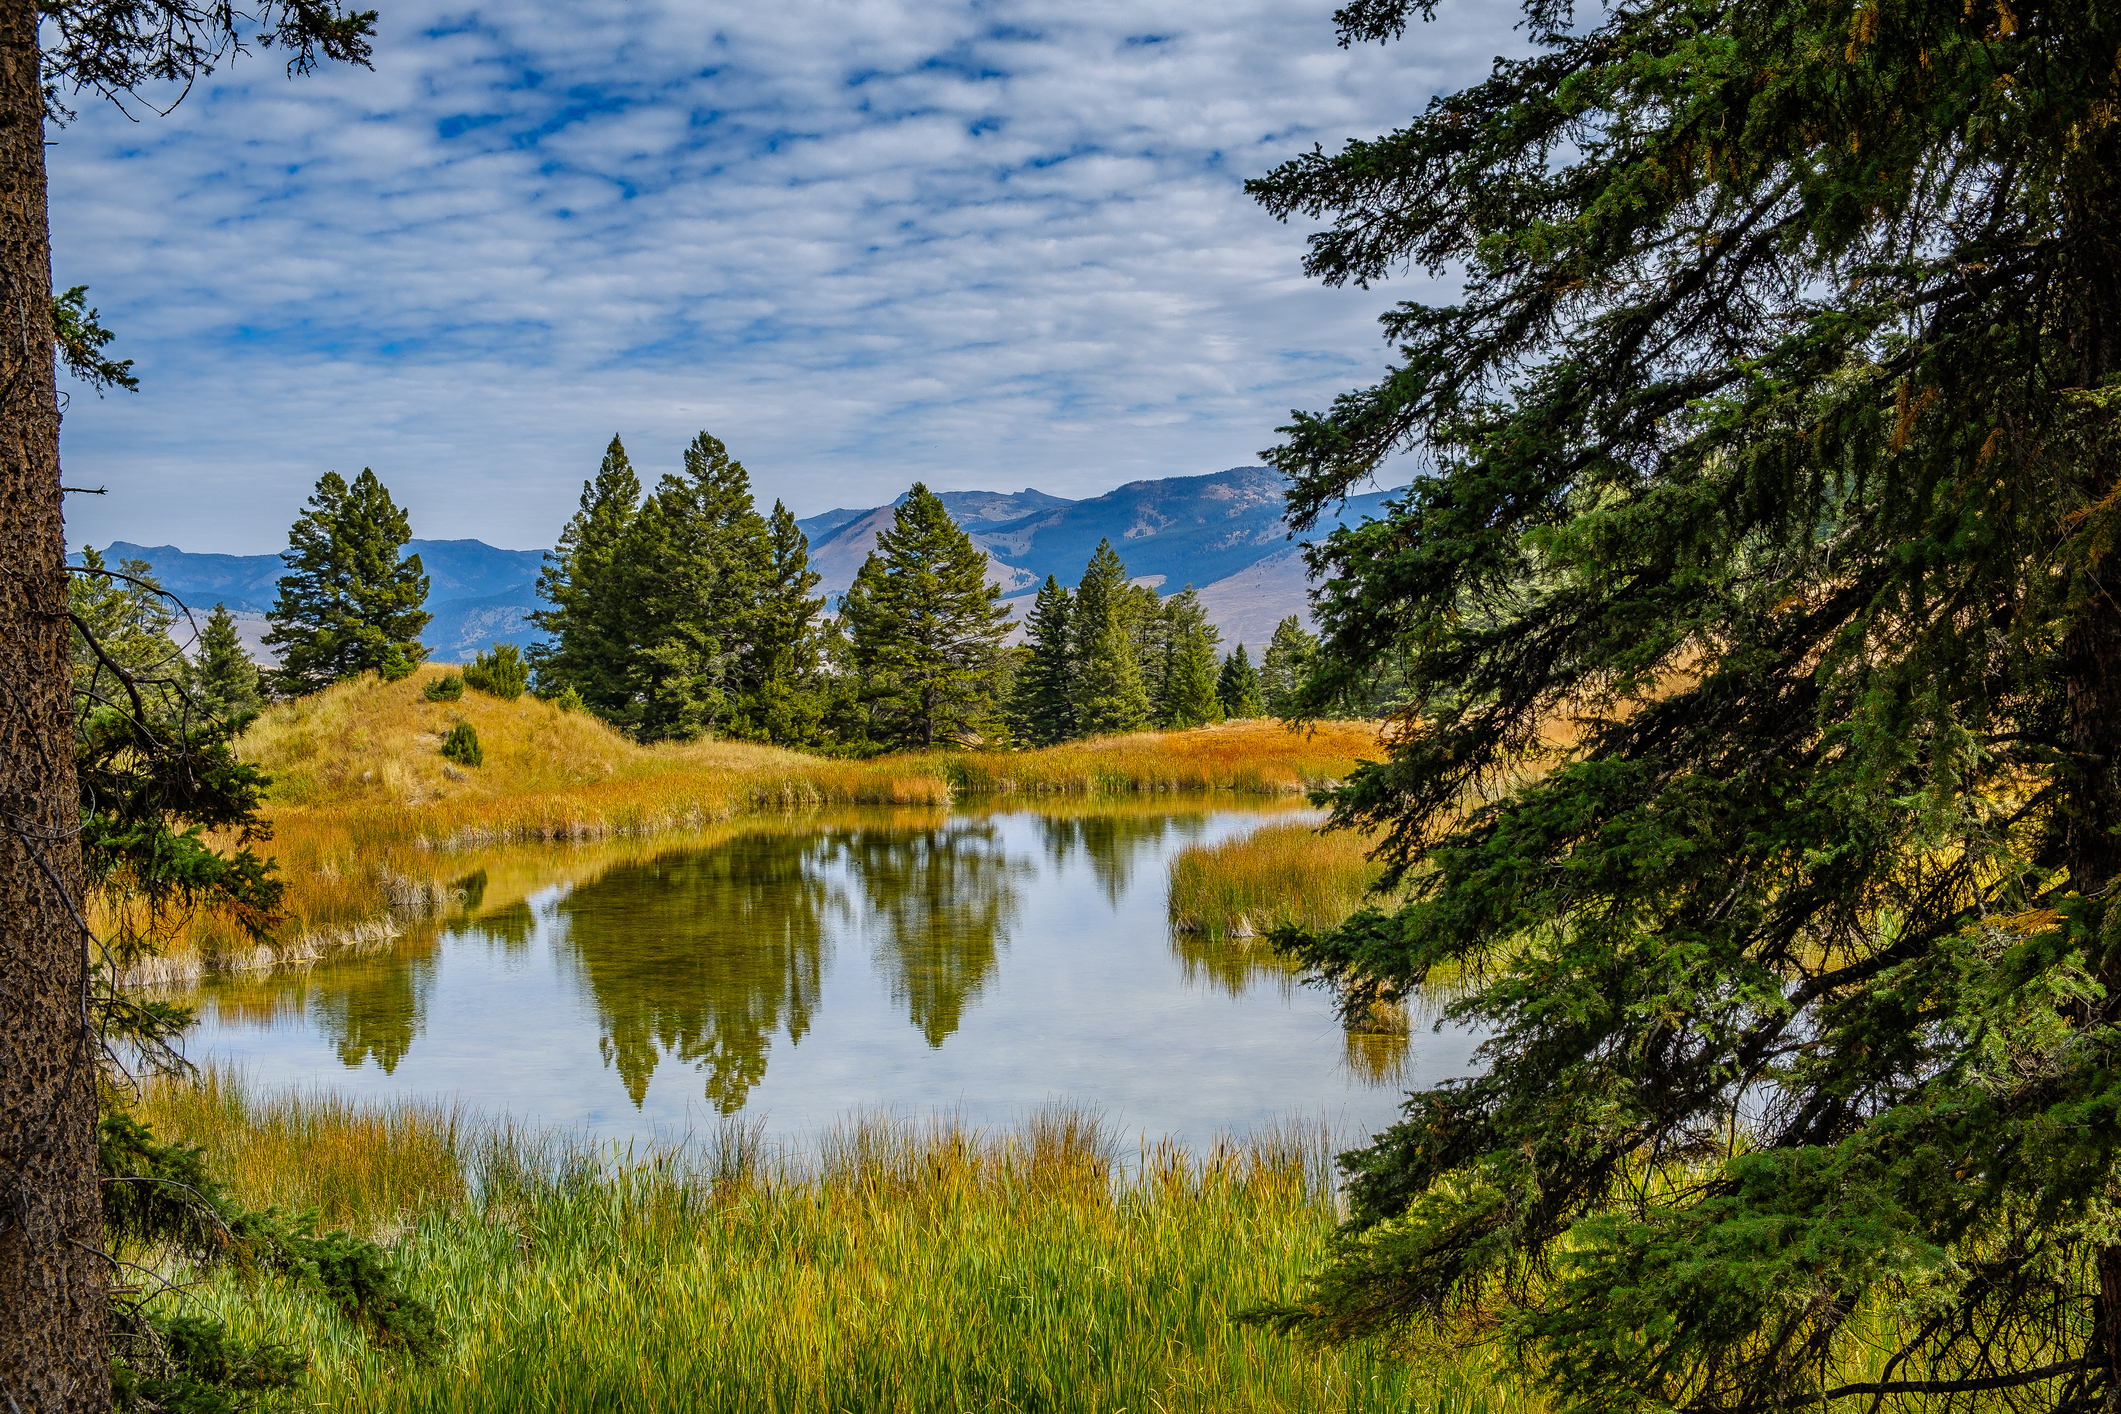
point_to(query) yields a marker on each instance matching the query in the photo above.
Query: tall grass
(892, 1265)
(1276, 876)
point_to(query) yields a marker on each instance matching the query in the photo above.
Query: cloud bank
(864, 242)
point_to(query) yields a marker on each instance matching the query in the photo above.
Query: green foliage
(1285, 667)
(1237, 686)
(462, 746)
(1189, 697)
(1760, 764)
(81, 341)
(591, 618)
(229, 683)
(160, 1197)
(1040, 704)
(568, 700)
(348, 603)
(499, 672)
(1109, 692)
(925, 629)
(447, 688)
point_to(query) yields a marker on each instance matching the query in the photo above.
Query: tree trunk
(54, 1353)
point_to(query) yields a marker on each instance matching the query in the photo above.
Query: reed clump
(892, 1265)
(1276, 876)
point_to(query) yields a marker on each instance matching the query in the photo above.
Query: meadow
(889, 1265)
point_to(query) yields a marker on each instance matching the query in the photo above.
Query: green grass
(892, 1266)
(1277, 875)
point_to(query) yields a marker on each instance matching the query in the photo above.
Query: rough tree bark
(54, 1354)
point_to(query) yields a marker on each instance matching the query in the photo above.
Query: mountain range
(1222, 533)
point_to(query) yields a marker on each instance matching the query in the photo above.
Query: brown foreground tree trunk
(54, 1353)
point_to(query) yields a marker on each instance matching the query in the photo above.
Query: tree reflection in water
(704, 955)
(371, 1012)
(1110, 840)
(941, 902)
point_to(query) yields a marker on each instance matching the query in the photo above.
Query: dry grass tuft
(1276, 876)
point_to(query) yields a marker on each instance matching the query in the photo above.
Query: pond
(793, 971)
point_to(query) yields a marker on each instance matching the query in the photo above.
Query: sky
(864, 242)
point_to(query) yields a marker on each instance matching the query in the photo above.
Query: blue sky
(864, 242)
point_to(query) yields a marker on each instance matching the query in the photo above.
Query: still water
(793, 971)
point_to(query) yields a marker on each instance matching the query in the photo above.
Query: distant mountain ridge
(1222, 533)
(476, 592)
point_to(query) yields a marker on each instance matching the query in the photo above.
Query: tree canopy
(348, 603)
(1758, 767)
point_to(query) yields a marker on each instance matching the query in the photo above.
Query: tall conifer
(592, 621)
(349, 602)
(1109, 690)
(1189, 696)
(783, 703)
(927, 629)
(697, 566)
(1043, 703)
(228, 681)
(1238, 686)
(1758, 761)
(1284, 667)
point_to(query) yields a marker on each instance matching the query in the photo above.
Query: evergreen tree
(347, 603)
(1110, 695)
(1237, 686)
(122, 626)
(698, 561)
(229, 683)
(1042, 705)
(784, 703)
(927, 628)
(592, 619)
(1772, 448)
(1284, 667)
(1189, 698)
(1109, 690)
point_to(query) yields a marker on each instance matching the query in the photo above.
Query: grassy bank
(890, 1266)
(1274, 877)
(372, 824)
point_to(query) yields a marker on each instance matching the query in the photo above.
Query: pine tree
(1285, 666)
(1759, 767)
(592, 619)
(785, 704)
(348, 603)
(1109, 691)
(1189, 698)
(1042, 704)
(1110, 696)
(927, 628)
(1237, 686)
(229, 683)
(698, 560)
(123, 624)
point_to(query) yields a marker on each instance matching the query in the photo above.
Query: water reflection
(943, 901)
(1112, 842)
(703, 956)
(374, 1013)
(987, 961)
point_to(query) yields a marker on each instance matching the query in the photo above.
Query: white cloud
(995, 244)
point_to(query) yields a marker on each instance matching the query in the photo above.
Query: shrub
(500, 672)
(446, 688)
(397, 664)
(462, 746)
(568, 700)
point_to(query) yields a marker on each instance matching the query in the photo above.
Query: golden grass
(892, 1265)
(1274, 877)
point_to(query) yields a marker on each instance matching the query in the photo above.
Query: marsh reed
(890, 1265)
